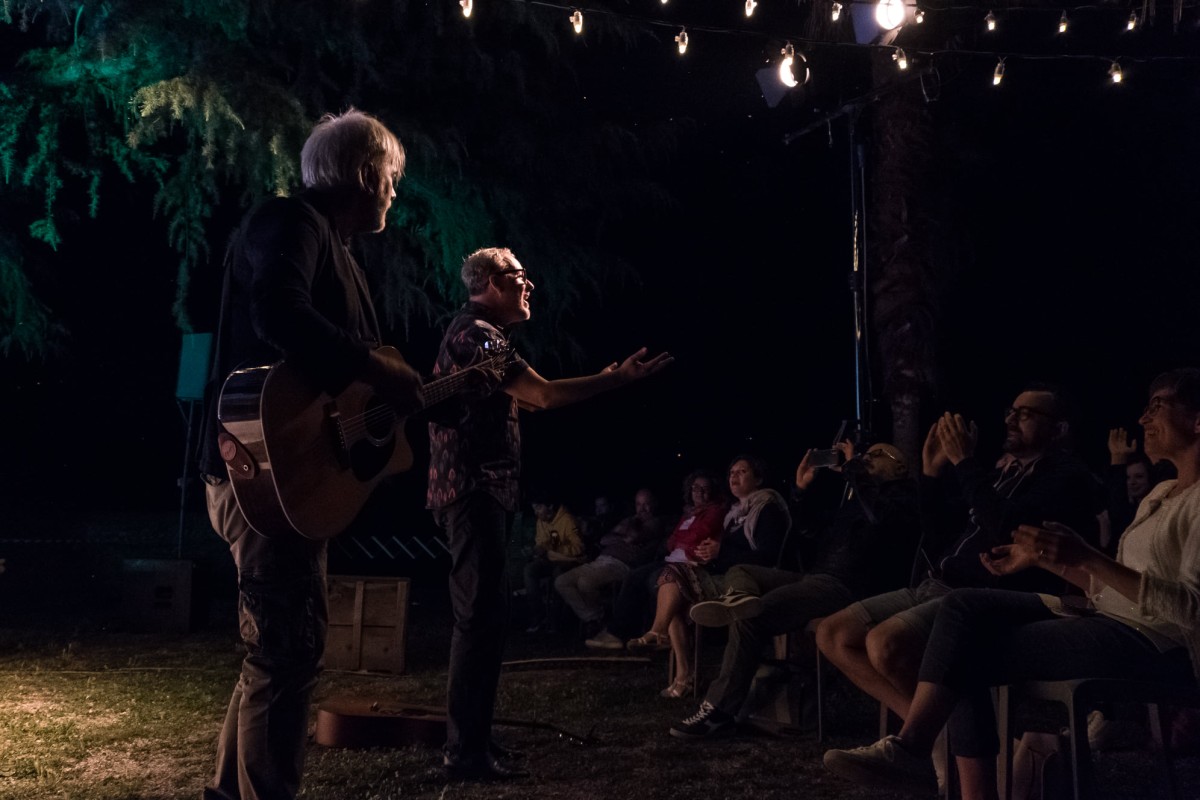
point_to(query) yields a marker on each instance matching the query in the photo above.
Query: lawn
(90, 710)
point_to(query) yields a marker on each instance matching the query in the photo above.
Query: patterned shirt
(475, 442)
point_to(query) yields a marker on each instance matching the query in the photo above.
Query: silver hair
(350, 150)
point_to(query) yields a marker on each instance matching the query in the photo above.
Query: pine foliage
(204, 104)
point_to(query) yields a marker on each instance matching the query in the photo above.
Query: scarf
(745, 512)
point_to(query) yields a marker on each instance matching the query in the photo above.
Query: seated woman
(752, 532)
(1143, 619)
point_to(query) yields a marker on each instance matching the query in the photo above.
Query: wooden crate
(368, 623)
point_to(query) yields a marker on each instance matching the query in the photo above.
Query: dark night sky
(1071, 207)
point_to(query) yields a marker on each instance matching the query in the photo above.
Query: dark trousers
(989, 637)
(283, 616)
(633, 603)
(790, 600)
(477, 529)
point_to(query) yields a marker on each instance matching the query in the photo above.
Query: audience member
(753, 532)
(878, 642)
(1130, 478)
(703, 516)
(868, 548)
(1143, 618)
(605, 514)
(557, 546)
(632, 542)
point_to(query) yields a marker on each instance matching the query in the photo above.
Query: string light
(750, 6)
(990, 19)
(1114, 72)
(920, 16)
(467, 6)
(1133, 21)
(577, 21)
(998, 73)
(889, 14)
(1062, 22)
(786, 77)
(681, 40)
(900, 59)
(837, 12)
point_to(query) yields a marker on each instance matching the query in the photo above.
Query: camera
(825, 458)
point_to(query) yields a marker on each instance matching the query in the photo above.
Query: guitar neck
(439, 389)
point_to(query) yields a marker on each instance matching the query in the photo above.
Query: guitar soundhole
(371, 453)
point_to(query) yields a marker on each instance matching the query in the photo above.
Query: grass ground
(97, 715)
(89, 711)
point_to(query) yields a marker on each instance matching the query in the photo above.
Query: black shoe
(490, 769)
(502, 753)
(709, 721)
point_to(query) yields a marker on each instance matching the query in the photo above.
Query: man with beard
(867, 548)
(878, 642)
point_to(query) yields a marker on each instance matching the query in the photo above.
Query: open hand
(958, 437)
(1007, 559)
(1120, 446)
(933, 456)
(804, 472)
(637, 366)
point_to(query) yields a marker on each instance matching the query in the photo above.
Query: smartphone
(825, 458)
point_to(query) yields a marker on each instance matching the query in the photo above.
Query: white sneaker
(604, 641)
(727, 609)
(885, 765)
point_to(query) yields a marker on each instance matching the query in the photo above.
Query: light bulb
(837, 12)
(577, 21)
(990, 20)
(998, 74)
(681, 40)
(920, 16)
(785, 66)
(900, 59)
(467, 7)
(1114, 72)
(889, 14)
(1133, 21)
(1062, 23)
(750, 6)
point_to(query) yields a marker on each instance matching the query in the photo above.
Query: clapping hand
(707, 550)
(958, 437)
(1054, 545)
(1120, 446)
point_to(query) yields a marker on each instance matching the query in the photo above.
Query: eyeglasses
(518, 274)
(877, 453)
(1025, 413)
(703, 488)
(1156, 403)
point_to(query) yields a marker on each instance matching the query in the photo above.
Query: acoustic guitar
(300, 460)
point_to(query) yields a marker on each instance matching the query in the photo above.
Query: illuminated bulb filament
(785, 67)
(990, 20)
(900, 59)
(837, 11)
(681, 40)
(1062, 23)
(1114, 72)
(1133, 20)
(750, 6)
(577, 21)
(998, 75)
(467, 7)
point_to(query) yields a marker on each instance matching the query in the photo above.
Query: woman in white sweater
(1142, 619)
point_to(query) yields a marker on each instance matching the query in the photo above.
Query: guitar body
(303, 461)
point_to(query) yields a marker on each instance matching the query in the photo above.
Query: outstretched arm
(536, 393)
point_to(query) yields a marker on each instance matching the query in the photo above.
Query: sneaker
(729, 608)
(605, 641)
(708, 721)
(884, 765)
